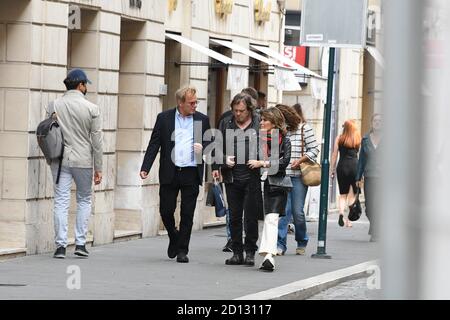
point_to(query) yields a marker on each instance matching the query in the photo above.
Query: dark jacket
(161, 138)
(227, 123)
(284, 158)
(275, 194)
(369, 162)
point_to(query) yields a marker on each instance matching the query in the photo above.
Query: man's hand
(255, 164)
(216, 174)
(97, 177)
(359, 184)
(230, 161)
(144, 175)
(198, 148)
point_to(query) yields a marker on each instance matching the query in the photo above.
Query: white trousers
(269, 235)
(83, 180)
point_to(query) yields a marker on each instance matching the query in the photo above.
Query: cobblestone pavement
(350, 290)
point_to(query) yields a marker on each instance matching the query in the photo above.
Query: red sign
(297, 54)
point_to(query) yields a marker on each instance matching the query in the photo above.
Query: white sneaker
(280, 252)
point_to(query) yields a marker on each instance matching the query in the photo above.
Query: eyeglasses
(193, 103)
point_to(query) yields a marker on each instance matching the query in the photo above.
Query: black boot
(236, 259)
(249, 258)
(228, 247)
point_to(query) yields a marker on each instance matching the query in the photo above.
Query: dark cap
(77, 75)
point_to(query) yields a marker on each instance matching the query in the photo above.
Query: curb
(304, 289)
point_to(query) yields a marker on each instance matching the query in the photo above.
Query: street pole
(324, 185)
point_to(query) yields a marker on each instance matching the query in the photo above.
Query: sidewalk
(140, 269)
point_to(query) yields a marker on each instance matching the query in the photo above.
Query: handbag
(282, 182)
(355, 209)
(311, 171)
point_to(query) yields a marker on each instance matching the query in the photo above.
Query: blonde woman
(346, 146)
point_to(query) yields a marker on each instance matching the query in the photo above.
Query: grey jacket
(81, 126)
(369, 160)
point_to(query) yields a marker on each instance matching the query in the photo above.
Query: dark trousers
(185, 180)
(240, 195)
(370, 185)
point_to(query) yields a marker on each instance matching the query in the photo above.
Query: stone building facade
(135, 69)
(122, 46)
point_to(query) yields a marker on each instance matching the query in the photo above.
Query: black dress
(346, 169)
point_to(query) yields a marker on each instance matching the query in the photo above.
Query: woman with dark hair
(298, 108)
(303, 148)
(274, 166)
(346, 146)
(369, 170)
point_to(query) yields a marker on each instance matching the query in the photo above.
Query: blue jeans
(83, 181)
(294, 209)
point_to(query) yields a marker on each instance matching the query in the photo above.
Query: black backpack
(51, 140)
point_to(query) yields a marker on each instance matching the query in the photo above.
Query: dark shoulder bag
(355, 209)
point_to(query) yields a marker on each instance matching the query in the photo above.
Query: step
(214, 224)
(126, 235)
(10, 253)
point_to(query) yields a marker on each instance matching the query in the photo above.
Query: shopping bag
(219, 202)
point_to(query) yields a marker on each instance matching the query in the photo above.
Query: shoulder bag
(311, 170)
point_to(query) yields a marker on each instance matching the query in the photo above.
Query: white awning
(376, 54)
(285, 80)
(287, 61)
(284, 76)
(211, 53)
(247, 52)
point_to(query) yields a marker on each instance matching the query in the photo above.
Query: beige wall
(373, 73)
(123, 51)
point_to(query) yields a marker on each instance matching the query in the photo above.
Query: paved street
(140, 269)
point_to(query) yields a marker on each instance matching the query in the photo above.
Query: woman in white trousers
(274, 166)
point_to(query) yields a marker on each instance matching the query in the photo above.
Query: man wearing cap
(80, 123)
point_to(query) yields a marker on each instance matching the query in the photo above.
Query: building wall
(123, 51)
(373, 73)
